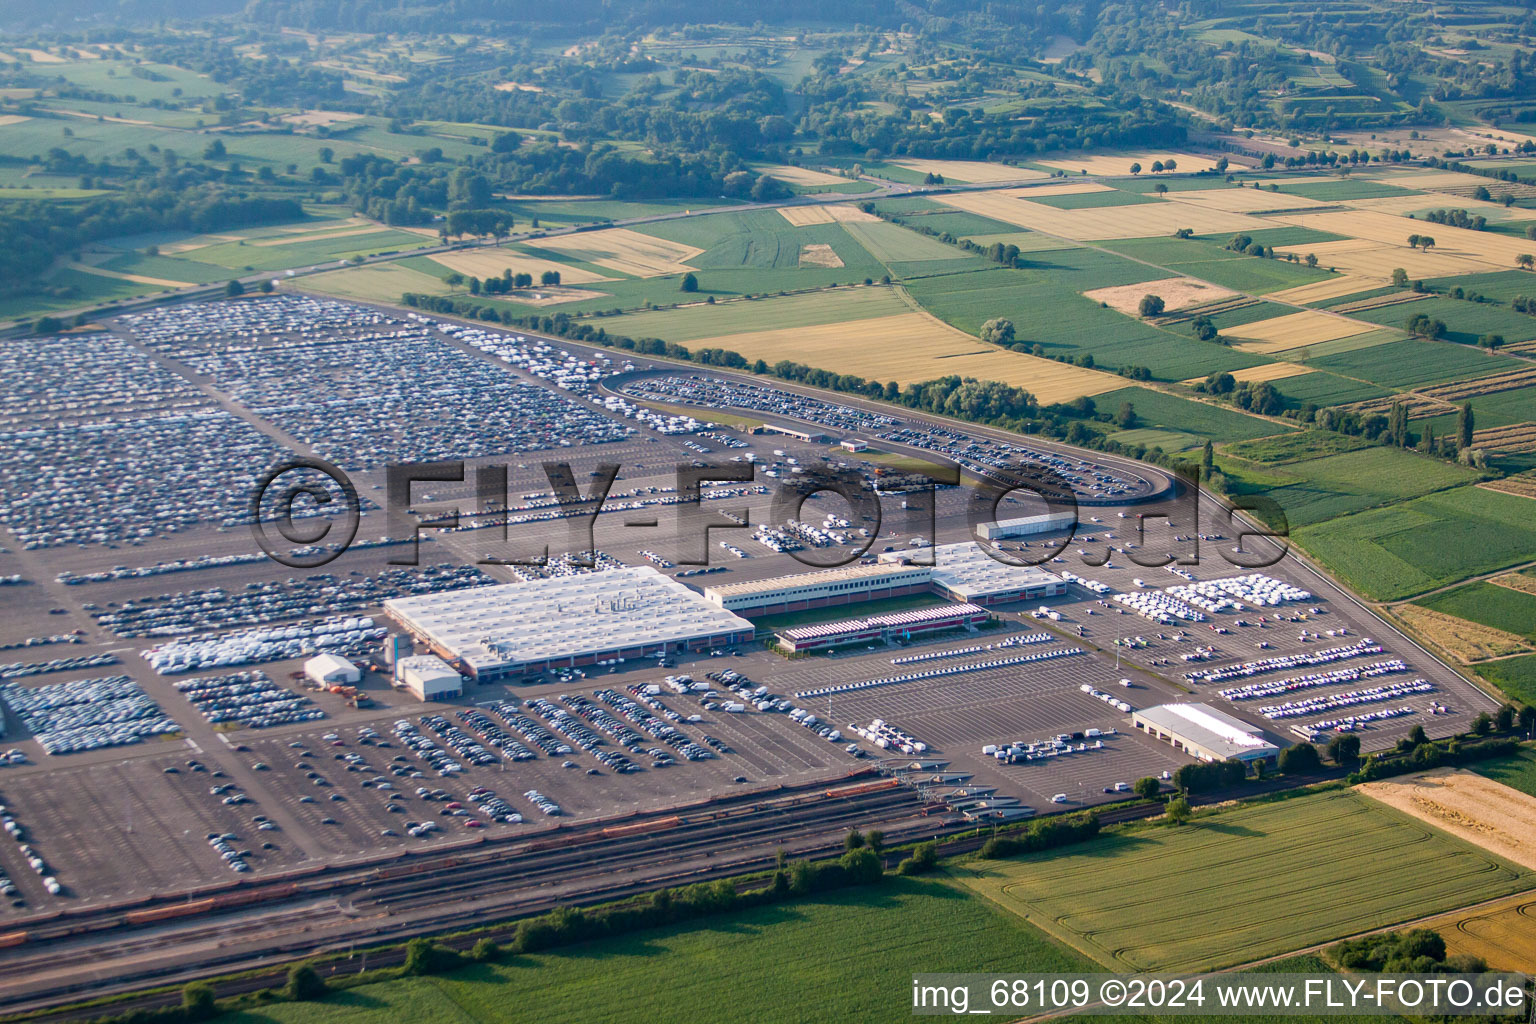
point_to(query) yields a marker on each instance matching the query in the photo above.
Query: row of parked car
(263, 602)
(20, 670)
(87, 714)
(250, 698)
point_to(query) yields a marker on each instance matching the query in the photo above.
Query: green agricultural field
(1211, 261)
(166, 268)
(1193, 183)
(891, 243)
(1513, 611)
(1287, 236)
(1151, 437)
(959, 223)
(381, 282)
(1046, 306)
(1325, 389)
(1410, 363)
(1250, 882)
(1295, 447)
(1519, 770)
(1349, 188)
(1353, 343)
(76, 288)
(1252, 274)
(1465, 321)
(1094, 200)
(690, 323)
(904, 206)
(1155, 409)
(237, 257)
(1500, 285)
(853, 956)
(1340, 484)
(1407, 549)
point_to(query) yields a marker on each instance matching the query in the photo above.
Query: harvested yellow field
(800, 175)
(1517, 437)
(1363, 258)
(1243, 200)
(912, 347)
(1483, 246)
(1144, 220)
(1456, 390)
(1120, 163)
(1485, 813)
(42, 56)
(1521, 485)
(1502, 934)
(829, 213)
(1264, 371)
(1516, 581)
(1466, 641)
(6, 119)
(483, 263)
(975, 172)
(1322, 291)
(518, 87)
(820, 254)
(1294, 330)
(1071, 188)
(626, 251)
(1176, 293)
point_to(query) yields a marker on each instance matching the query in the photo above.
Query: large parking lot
(317, 786)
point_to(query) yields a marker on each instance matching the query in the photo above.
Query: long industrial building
(1204, 732)
(880, 628)
(842, 585)
(512, 630)
(1027, 526)
(966, 572)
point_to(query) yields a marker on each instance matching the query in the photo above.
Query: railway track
(435, 898)
(432, 902)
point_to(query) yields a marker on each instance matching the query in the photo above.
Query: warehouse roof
(967, 571)
(567, 616)
(1214, 731)
(812, 579)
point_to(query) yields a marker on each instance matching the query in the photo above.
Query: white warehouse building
(844, 584)
(428, 677)
(965, 572)
(1204, 732)
(331, 670)
(515, 629)
(1027, 526)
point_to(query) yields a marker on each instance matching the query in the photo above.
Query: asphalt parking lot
(112, 823)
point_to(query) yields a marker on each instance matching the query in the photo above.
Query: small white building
(427, 677)
(331, 670)
(1027, 526)
(853, 444)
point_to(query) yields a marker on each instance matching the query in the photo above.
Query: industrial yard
(185, 715)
